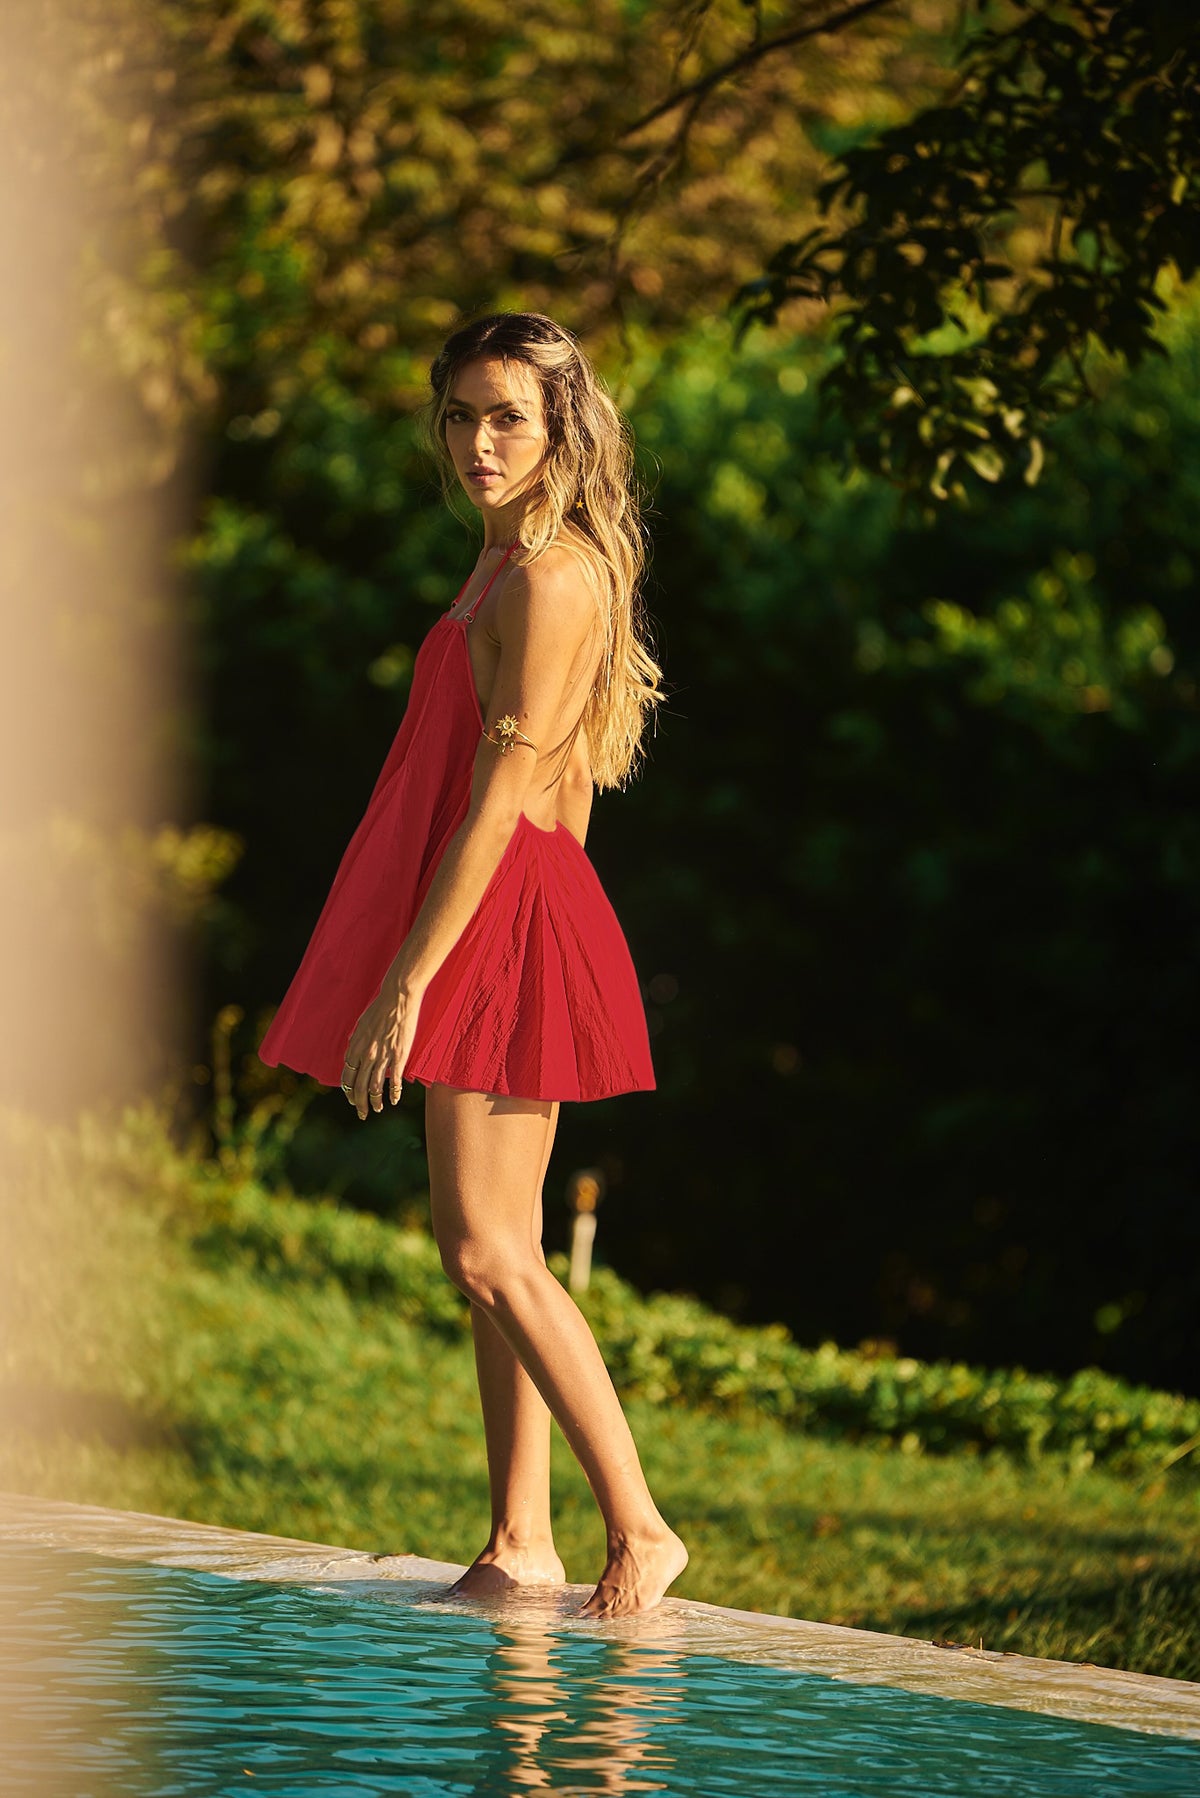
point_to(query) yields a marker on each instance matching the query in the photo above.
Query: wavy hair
(586, 497)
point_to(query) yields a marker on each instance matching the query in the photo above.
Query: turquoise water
(134, 1679)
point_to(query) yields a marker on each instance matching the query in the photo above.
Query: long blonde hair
(586, 498)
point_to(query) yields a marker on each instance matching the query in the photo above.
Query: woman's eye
(514, 418)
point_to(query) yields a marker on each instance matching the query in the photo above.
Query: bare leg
(516, 1425)
(485, 1158)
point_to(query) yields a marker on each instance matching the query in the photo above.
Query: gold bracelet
(510, 737)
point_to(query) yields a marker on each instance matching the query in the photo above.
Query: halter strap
(468, 616)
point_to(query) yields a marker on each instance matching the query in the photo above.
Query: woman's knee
(489, 1273)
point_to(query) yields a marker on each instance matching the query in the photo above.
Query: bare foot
(499, 1570)
(638, 1573)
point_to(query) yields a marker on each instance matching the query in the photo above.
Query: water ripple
(138, 1679)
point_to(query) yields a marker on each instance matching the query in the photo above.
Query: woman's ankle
(520, 1537)
(650, 1528)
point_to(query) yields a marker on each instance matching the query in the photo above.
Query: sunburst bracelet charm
(508, 737)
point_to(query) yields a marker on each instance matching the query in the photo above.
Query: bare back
(562, 788)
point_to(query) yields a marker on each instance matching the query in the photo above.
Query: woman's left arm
(543, 616)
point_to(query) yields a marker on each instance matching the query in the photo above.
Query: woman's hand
(380, 1046)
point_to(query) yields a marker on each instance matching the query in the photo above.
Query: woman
(468, 935)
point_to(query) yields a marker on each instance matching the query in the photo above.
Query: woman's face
(495, 430)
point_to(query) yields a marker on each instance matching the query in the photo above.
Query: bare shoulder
(552, 592)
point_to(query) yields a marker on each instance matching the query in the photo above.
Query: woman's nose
(483, 437)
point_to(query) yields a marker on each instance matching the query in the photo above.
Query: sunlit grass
(264, 1402)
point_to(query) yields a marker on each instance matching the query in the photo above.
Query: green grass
(182, 1347)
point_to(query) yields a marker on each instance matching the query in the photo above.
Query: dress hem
(497, 1092)
(576, 1098)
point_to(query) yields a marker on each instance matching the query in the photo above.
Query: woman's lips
(483, 475)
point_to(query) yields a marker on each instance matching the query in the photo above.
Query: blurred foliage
(663, 1348)
(914, 868)
(324, 187)
(956, 353)
(326, 184)
(669, 1348)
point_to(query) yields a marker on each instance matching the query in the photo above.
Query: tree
(325, 185)
(955, 356)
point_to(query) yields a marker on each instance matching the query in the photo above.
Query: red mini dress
(538, 999)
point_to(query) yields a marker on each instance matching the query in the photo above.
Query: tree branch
(754, 53)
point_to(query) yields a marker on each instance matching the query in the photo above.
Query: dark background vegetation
(911, 875)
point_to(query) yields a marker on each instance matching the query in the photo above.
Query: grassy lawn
(149, 1373)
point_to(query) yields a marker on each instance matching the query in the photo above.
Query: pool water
(125, 1677)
